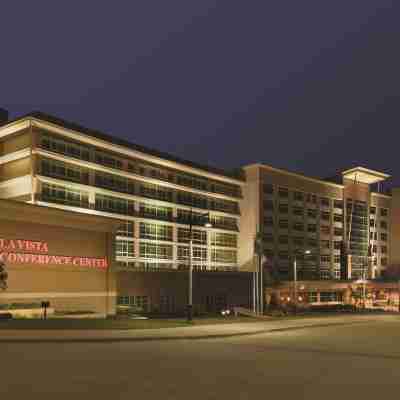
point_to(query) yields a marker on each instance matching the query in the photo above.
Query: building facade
(342, 229)
(53, 163)
(48, 257)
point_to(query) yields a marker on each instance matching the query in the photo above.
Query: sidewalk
(190, 332)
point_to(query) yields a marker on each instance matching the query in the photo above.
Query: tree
(3, 276)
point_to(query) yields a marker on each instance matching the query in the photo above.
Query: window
(198, 236)
(268, 205)
(126, 229)
(155, 192)
(64, 171)
(311, 228)
(283, 192)
(155, 266)
(325, 274)
(312, 213)
(299, 196)
(337, 231)
(326, 297)
(311, 198)
(268, 188)
(326, 230)
(383, 249)
(114, 205)
(298, 226)
(152, 250)
(312, 297)
(223, 239)
(124, 248)
(374, 248)
(64, 195)
(155, 232)
(337, 245)
(325, 244)
(325, 216)
(218, 221)
(336, 259)
(384, 212)
(312, 242)
(283, 255)
(372, 210)
(157, 212)
(337, 218)
(373, 235)
(325, 202)
(283, 223)
(70, 149)
(384, 261)
(141, 302)
(199, 253)
(384, 225)
(268, 237)
(372, 223)
(299, 241)
(338, 204)
(193, 200)
(223, 255)
(384, 237)
(269, 221)
(298, 211)
(325, 258)
(192, 181)
(107, 160)
(283, 208)
(283, 239)
(114, 182)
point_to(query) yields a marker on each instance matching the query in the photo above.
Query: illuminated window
(126, 229)
(64, 195)
(199, 253)
(67, 148)
(124, 248)
(114, 205)
(152, 250)
(155, 232)
(114, 182)
(157, 212)
(198, 237)
(223, 255)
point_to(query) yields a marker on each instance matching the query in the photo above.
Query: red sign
(18, 251)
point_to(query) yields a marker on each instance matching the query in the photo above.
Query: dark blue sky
(311, 86)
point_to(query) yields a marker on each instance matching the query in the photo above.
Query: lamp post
(295, 279)
(207, 224)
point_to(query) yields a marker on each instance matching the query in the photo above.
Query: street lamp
(295, 278)
(207, 224)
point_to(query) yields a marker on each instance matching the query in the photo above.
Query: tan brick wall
(66, 287)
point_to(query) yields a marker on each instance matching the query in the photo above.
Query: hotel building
(345, 224)
(52, 163)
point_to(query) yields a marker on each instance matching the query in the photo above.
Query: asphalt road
(359, 361)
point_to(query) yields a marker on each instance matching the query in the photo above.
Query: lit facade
(49, 162)
(347, 227)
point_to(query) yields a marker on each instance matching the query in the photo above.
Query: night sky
(309, 86)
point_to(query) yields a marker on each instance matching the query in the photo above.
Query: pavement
(183, 333)
(357, 358)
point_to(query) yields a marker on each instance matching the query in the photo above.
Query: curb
(171, 338)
